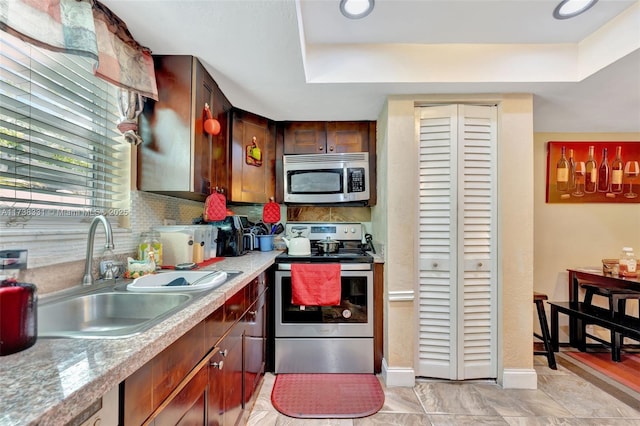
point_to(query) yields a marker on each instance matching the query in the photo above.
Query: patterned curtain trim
(87, 28)
(122, 61)
(58, 25)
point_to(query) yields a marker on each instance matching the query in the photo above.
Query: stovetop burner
(351, 249)
(340, 257)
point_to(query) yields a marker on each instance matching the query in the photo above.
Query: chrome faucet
(88, 278)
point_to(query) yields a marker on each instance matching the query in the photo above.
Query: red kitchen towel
(315, 284)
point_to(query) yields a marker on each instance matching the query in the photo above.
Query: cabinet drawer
(188, 407)
(148, 387)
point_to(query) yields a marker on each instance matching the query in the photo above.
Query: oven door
(352, 318)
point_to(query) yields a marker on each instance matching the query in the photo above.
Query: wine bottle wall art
(593, 172)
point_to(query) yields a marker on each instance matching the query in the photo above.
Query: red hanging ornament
(211, 125)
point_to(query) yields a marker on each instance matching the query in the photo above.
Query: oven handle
(343, 266)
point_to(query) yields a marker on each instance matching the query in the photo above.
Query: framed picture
(593, 172)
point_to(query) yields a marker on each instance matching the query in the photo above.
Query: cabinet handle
(479, 264)
(331, 148)
(252, 313)
(435, 264)
(224, 352)
(217, 365)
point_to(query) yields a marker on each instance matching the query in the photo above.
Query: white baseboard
(397, 377)
(519, 379)
(511, 378)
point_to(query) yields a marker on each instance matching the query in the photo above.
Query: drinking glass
(579, 173)
(631, 172)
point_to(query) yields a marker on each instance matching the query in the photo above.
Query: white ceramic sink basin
(191, 281)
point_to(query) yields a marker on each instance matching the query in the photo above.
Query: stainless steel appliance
(326, 339)
(326, 178)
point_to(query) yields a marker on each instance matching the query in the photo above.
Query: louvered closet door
(457, 256)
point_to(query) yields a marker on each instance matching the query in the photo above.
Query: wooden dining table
(596, 276)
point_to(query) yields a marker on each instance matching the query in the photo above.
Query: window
(62, 158)
(61, 152)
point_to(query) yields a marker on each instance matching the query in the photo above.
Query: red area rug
(327, 396)
(626, 372)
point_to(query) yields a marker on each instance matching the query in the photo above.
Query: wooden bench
(617, 297)
(626, 326)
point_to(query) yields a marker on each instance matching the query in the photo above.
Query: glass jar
(150, 241)
(628, 263)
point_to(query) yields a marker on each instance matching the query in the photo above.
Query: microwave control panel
(355, 179)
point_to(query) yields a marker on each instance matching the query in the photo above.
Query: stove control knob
(346, 313)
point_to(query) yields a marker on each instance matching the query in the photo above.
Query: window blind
(60, 150)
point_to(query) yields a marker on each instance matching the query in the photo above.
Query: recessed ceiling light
(570, 8)
(356, 9)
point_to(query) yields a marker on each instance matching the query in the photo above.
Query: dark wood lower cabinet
(188, 407)
(209, 375)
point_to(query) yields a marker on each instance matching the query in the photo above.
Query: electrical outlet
(114, 268)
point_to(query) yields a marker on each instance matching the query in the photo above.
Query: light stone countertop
(53, 381)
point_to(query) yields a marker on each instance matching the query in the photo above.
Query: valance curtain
(88, 28)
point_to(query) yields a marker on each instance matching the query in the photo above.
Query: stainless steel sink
(107, 315)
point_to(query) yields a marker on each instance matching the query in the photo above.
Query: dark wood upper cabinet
(219, 158)
(177, 157)
(320, 137)
(326, 137)
(348, 136)
(253, 156)
(307, 137)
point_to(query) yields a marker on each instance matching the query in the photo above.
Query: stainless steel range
(326, 339)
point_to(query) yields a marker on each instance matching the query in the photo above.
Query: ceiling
(302, 60)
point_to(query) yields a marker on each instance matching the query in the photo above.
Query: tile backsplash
(149, 210)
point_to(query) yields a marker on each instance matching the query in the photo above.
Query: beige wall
(394, 219)
(578, 234)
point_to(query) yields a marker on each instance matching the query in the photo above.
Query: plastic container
(628, 263)
(266, 242)
(150, 241)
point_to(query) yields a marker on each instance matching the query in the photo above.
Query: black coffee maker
(230, 240)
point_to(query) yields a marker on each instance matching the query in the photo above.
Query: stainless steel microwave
(326, 178)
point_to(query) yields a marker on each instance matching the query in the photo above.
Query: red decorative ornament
(211, 125)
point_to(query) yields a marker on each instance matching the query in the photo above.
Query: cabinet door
(232, 375)
(252, 175)
(221, 110)
(203, 142)
(347, 136)
(146, 390)
(215, 398)
(254, 342)
(166, 126)
(305, 137)
(188, 407)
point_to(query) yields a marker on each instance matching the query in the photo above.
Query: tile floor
(562, 398)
